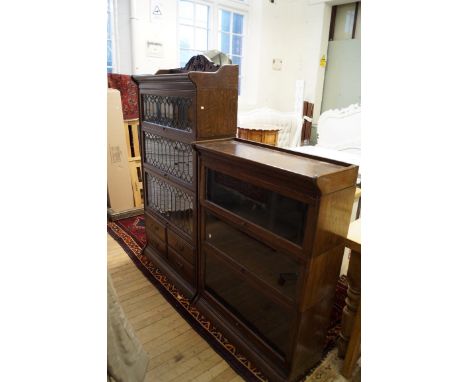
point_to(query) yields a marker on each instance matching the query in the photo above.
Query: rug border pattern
(179, 301)
(191, 314)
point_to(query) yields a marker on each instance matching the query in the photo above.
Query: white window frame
(231, 34)
(114, 36)
(240, 7)
(209, 27)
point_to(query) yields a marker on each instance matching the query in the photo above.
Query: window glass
(237, 45)
(109, 54)
(225, 21)
(193, 29)
(204, 27)
(236, 60)
(186, 37)
(201, 39)
(201, 15)
(185, 55)
(230, 37)
(224, 43)
(238, 23)
(110, 63)
(186, 12)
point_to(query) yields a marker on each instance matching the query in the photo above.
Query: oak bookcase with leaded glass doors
(176, 109)
(272, 224)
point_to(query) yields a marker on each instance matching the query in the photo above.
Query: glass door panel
(272, 211)
(171, 202)
(169, 111)
(269, 265)
(256, 309)
(168, 155)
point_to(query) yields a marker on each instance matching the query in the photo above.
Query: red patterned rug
(128, 93)
(130, 234)
(135, 227)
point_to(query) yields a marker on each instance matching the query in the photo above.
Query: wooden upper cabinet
(194, 105)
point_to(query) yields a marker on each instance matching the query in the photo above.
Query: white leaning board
(119, 183)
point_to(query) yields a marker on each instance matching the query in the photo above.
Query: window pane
(186, 37)
(109, 26)
(225, 21)
(237, 23)
(109, 37)
(109, 53)
(201, 15)
(186, 55)
(186, 12)
(236, 60)
(224, 42)
(201, 39)
(237, 45)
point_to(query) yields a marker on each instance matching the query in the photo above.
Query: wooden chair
(349, 343)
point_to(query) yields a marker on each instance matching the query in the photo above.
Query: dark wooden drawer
(180, 265)
(155, 228)
(157, 244)
(181, 246)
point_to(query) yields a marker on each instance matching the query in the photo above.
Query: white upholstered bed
(339, 136)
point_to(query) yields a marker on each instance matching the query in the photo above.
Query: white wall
(163, 30)
(295, 31)
(133, 39)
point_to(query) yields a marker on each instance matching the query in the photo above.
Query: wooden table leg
(354, 347)
(352, 302)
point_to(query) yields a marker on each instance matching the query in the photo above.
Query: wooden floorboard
(176, 351)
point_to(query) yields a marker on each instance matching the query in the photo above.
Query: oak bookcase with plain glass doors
(272, 229)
